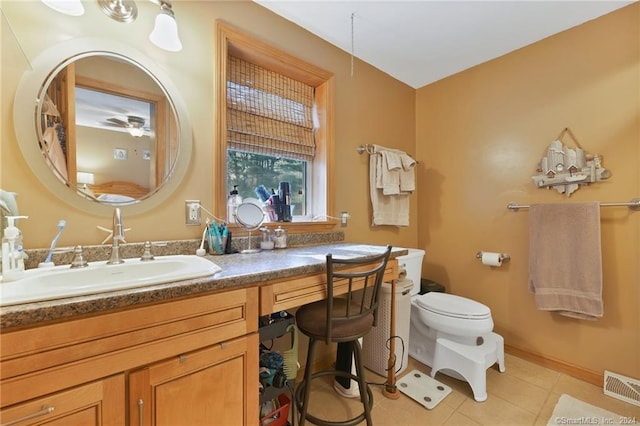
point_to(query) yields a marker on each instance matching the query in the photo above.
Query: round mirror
(106, 125)
(250, 216)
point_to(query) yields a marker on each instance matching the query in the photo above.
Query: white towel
(387, 209)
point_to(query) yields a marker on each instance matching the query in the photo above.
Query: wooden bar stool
(343, 318)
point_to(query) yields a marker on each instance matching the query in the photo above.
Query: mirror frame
(27, 108)
(244, 219)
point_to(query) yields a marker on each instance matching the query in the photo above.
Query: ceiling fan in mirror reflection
(133, 124)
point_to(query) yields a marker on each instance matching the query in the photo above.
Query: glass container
(280, 238)
(266, 239)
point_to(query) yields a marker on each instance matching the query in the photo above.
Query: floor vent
(621, 387)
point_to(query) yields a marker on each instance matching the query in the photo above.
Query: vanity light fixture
(119, 10)
(68, 7)
(165, 30)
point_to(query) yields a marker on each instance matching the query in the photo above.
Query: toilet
(451, 334)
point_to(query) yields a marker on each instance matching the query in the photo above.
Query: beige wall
(480, 135)
(371, 107)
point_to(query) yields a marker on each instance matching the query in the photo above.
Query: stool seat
(311, 320)
(470, 362)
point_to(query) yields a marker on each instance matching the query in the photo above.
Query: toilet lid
(453, 306)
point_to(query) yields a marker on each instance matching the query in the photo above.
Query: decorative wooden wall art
(565, 169)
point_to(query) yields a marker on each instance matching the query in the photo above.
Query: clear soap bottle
(12, 251)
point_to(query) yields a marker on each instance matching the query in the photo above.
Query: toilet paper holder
(503, 257)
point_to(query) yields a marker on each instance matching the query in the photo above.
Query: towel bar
(634, 204)
(365, 148)
(369, 149)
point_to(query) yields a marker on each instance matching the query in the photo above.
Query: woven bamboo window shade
(268, 113)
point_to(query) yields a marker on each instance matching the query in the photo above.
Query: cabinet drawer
(44, 359)
(98, 403)
(300, 291)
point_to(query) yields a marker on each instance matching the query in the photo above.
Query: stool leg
(500, 350)
(306, 390)
(364, 395)
(477, 379)
(437, 360)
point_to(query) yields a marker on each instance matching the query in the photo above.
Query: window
(263, 155)
(270, 132)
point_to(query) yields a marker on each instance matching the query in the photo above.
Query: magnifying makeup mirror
(250, 216)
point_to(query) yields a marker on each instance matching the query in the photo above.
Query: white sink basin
(62, 281)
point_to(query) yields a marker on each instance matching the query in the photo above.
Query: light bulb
(136, 132)
(68, 7)
(165, 32)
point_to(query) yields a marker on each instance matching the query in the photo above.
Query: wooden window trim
(244, 46)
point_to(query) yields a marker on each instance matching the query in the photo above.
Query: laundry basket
(375, 352)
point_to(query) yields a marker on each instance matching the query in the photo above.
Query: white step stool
(470, 362)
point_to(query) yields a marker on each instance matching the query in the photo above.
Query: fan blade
(118, 122)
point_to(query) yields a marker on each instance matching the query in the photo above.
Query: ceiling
(95, 108)
(421, 41)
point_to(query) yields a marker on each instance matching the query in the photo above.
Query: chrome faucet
(117, 235)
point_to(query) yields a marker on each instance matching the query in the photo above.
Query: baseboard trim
(584, 374)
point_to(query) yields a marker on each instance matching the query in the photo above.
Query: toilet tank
(412, 263)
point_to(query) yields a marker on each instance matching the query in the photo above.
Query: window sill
(291, 227)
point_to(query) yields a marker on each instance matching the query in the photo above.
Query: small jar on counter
(266, 241)
(280, 238)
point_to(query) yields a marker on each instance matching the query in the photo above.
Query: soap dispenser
(232, 204)
(12, 254)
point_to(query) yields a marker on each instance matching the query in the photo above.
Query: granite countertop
(238, 271)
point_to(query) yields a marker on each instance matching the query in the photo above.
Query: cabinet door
(99, 403)
(217, 385)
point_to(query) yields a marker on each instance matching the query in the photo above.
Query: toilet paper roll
(491, 259)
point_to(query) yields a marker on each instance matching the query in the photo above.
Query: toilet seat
(453, 306)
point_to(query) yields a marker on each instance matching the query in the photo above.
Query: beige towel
(565, 258)
(387, 209)
(407, 174)
(390, 172)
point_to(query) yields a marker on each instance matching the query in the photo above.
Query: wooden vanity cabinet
(182, 362)
(294, 292)
(209, 386)
(183, 359)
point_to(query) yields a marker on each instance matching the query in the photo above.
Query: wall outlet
(192, 212)
(343, 219)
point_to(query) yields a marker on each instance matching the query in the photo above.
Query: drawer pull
(43, 412)
(140, 412)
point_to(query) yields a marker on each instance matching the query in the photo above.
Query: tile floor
(525, 394)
